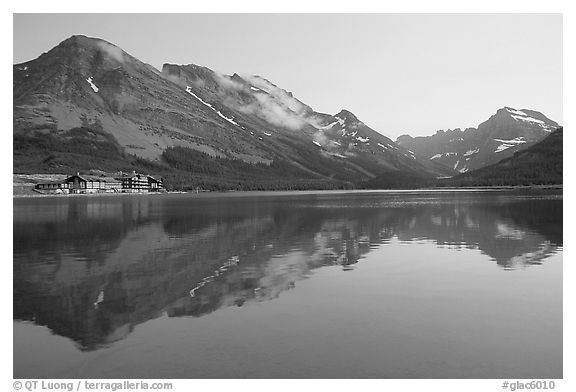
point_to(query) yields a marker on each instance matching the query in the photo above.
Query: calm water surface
(306, 285)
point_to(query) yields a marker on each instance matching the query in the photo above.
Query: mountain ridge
(87, 95)
(507, 131)
(539, 164)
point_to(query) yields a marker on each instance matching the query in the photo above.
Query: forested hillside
(540, 164)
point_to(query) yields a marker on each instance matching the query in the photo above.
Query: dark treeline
(540, 164)
(397, 180)
(184, 169)
(194, 169)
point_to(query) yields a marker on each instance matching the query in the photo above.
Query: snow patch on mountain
(446, 154)
(528, 119)
(189, 91)
(325, 127)
(503, 147)
(339, 120)
(517, 112)
(100, 299)
(471, 152)
(362, 139)
(519, 115)
(516, 140)
(461, 169)
(506, 144)
(229, 119)
(89, 80)
(218, 112)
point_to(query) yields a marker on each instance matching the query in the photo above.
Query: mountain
(276, 115)
(506, 132)
(88, 105)
(539, 164)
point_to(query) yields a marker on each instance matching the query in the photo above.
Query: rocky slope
(540, 164)
(506, 132)
(87, 104)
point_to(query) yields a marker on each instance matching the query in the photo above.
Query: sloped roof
(75, 175)
(92, 178)
(106, 179)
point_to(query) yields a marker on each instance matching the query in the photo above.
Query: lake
(452, 284)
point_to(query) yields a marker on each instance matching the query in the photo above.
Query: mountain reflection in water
(92, 268)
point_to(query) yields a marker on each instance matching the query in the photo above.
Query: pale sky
(399, 73)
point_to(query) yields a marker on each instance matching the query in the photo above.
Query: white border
(302, 6)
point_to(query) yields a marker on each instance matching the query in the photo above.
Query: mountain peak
(346, 115)
(527, 117)
(79, 40)
(510, 111)
(79, 49)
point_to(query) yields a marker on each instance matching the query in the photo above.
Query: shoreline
(434, 189)
(95, 194)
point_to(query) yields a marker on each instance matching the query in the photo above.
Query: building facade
(124, 183)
